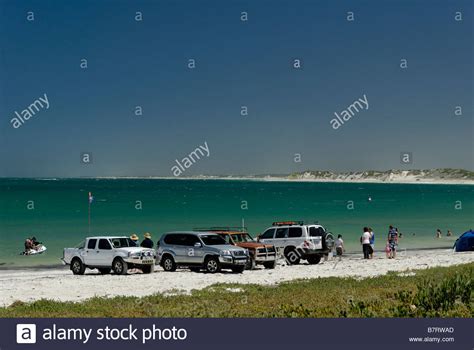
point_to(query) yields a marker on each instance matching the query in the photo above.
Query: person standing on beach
(339, 246)
(147, 242)
(365, 241)
(392, 242)
(372, 242)
(134, 240)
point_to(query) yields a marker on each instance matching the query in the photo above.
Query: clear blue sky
(238, 63)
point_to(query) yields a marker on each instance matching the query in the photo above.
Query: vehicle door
(89, 252)
(173, 244)
(267, 236)
(104, 253)
(316, 234)
(281, 237)
(194, 249)
(295, 236)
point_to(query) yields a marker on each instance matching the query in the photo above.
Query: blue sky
(237, 63)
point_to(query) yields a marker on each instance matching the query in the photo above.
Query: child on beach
(339, 247)
(387, 250)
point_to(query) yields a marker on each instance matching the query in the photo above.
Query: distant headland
(423, 176)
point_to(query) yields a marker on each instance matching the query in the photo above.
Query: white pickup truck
(107, 253)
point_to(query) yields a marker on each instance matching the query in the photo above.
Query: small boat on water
(35, 251)
(33, 247)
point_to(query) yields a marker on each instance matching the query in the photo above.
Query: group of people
(146, 243)
(367, 240)
(439, 234)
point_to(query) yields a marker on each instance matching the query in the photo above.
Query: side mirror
(197, 245)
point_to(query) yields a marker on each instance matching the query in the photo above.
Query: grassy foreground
(435, 292)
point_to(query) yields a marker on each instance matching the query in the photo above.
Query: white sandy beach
(60, 284)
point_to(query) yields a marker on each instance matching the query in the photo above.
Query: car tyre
(119, 266)
(212, 264)
(147, 268)
(250, 264)
(313, 260)
(104, 271)
(290, 254)
(238, 269)
(270, 264)
(77, 267)
(168, 264)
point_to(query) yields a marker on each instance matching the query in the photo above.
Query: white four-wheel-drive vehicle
(299, 241)
(107, 253)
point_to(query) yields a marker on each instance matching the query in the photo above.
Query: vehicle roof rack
(288, 223)
(221, 228)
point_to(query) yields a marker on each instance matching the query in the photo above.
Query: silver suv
(299, 241)
(199, 250)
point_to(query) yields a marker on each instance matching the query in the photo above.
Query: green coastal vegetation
(434, 292)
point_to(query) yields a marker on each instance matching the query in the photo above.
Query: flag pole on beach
(91, 198)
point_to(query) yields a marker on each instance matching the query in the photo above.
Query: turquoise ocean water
(60, 214)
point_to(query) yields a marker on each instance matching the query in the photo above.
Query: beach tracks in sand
(61, 285)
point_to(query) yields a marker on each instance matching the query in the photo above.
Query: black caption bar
(250, 334)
